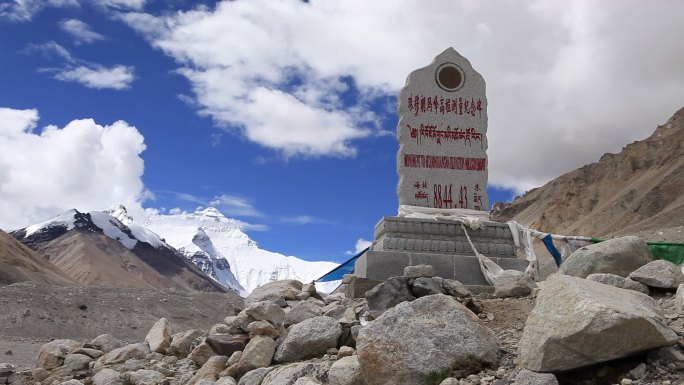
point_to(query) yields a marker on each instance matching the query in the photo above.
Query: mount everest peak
(223, 251)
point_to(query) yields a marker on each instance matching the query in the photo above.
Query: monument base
(401, 242)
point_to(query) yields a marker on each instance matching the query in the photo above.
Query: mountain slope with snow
(210, 238)
(95, 248)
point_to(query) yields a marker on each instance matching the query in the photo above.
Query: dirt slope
(640, 189)
(18, 263)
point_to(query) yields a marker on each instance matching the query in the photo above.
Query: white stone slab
(442, 132)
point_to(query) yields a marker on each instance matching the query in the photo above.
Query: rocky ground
(582, 326)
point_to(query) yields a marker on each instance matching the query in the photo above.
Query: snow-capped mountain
(101, 249)
(210, 239)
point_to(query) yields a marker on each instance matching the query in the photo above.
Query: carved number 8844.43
(442, 198)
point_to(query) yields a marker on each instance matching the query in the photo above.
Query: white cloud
(361, 245)
(234, 205)
(24, 10)
(567, 81)
(83, 165)
(81, 32)
(117, 77)
(50, 50)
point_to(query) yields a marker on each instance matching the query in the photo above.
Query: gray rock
(638, 372)
(221, 329)
(679, 299)
(77, 361)
(267, 311)
(455, 288)
(289, 374)
(617, 281)
(302, 296)
(358, 287)
(262, 328)
(427, 286)
(273, 291)
(255, 377)
(52, 354)
(660, 273)
(413, 339)
(238, 324)
(309, 288)
(417, 271)
(577, 322)
(619, 256)
(226, 344)
(182, 343)
(334, 311)
(513, 283)
(387, 295)
(211, 369)
(159, 336)
(146, 377)
(308, 339)
(140, 350)
(346, 371)
(306, 381)
(257, 354)
(226, 381)
(302, 311)
(71, 382)
(449, 381)
(107, 376)
(105, 342)
(92, 353)
(202, 352)
(528, 377)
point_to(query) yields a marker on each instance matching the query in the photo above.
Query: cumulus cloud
(361, 245)
(96, 76)
(567, 81)
(80, 31)
(83, 165)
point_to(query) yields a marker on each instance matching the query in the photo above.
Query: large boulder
(302, 311)
(227, 344)
(387, 295)
(105, 343)
(414, 339)
(528, 377)
(159, 336)
(617, 281)
(619, 256)
(513, 283)
(266, 311)
(139, 351)
(258, 354)
(52, 354)
(291, 373)
(210, 370)
(308, 339)
(273, 291)
(182, 343)
(577, 322)
(346, 371)
(661, 273)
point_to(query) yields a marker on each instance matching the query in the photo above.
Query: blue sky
(283, 114)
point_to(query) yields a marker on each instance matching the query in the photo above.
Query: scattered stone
(267, 311)
(455, 288)
(303, 296)
(345, 351)
(620, 282)
(358, 287)
(619, 256)
(159, 336)
(77, 361)
(528, 377)
(334, 311)
(107, 376)
(226, 381)
(387, 295)
(105, 343)
(263, 328)
(255, 377)
(202, 352)
(220, 329)
(92, 353)
(289, 374)
(257, 354)
(423, 286)
(346, 371)
(210, 370)
(182, 343)
(302, 311)
(638, 372)
(308, 339)
(577, 322)
(140, 350)
(273, 291)
(226, 344)
(52, 354)
(513, 283)
(421, 337)
(660, 273)
(417, 271)
(146, 377)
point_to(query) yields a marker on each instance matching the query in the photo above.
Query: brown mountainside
(639, 189)
(18, 263)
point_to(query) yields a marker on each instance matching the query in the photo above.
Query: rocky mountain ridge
(638, 189)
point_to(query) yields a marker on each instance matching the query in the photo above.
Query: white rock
(159, 336)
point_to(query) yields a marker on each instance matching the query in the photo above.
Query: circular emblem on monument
(449, 77)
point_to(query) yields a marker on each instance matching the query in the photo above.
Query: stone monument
(442, 166)
(442, 132)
